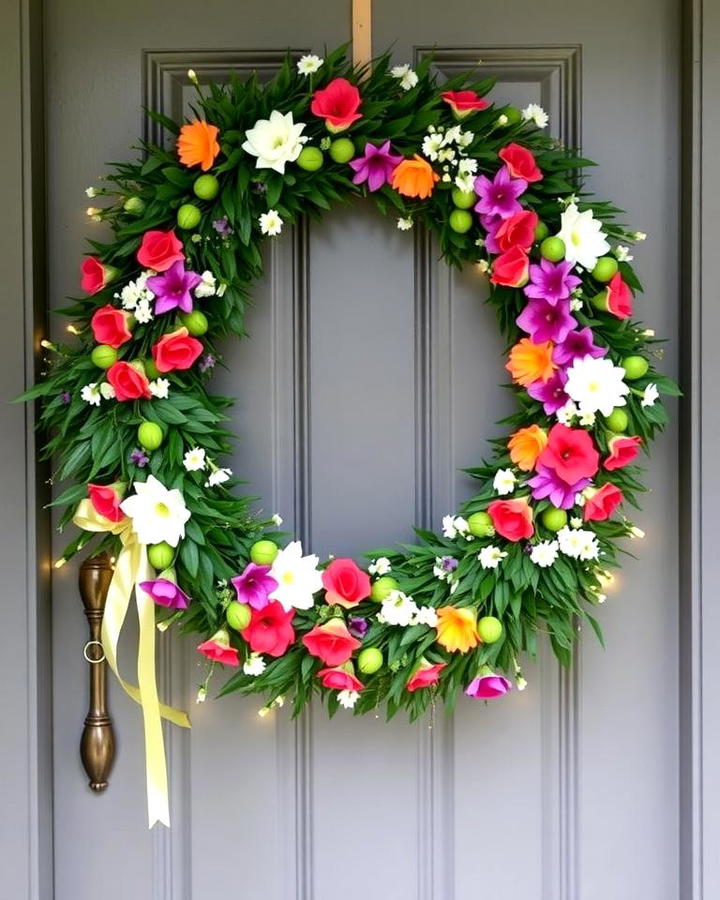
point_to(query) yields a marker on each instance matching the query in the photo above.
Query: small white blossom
(107, 391)
(309, 64)
(502, 120)
(536, 114)
(431, 145)
(452, 526)
(578, 543)
(639, 236)
(271, 223)
(276, 519)
(426, 615)
(143, 311)
(135, 291)
(622, 253)
(160, 388)
(483, 266)
(404, 223)
(544, 554)
(254, 664)
(567, 413)
(397, 609)
(207, 286)
(194, 460)
(201, 695)
(90, 192)
(467, 166)
(576, 304)
(464, 139)
(405, 75)
(347, 699)
(221, 290)
(491, 557)
(504, 481)
(576, 522)
(91, 394)
(650, 395)
(218, 476)
(521, 683)
(379, 566)
(446, 155)
(465, 182)
(587, 419)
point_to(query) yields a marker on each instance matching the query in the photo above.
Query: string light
(263, 711)
(73, 329)
(636, 532)
(606, 579)
(47, 345)
(59, 563)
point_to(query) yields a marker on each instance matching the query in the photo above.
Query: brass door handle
(97, 745)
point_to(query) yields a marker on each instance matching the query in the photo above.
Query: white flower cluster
(207, 286)
(347, 699)
(504, 481)
(447, 146)
(137, 297)
(545, 553)
(93, 393)
(254, 664)
(491, 557)
(536, 114)
(405, 75)
(578, 543)
(452, 526)
(379, 566)
(400, 609)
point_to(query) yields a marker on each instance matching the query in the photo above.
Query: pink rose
(602, 503)
(94, 275)
(345, 583)
(487, 685)
(520, 163)
(512, 519)
(176, 350)
(159, 250)
(517, 231)
(340, 678)
(110, 326)
(218, 649)
(129, 382)
(270, 630)
(511, 268)
(106, 498)
(623, 451)
(425, 676)
(331, 642)
(338, 104)
(463, 103)
(616, 298)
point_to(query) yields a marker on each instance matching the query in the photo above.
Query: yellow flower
(457, 629)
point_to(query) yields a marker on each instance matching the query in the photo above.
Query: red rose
(517, 231)
(570, 452)
(218, 649)
(105, 499)
(463, 103)
(176, 350)
(512, 518)
(110, 326)
(338, 104)
(623, 451)
(520, 163)
(426, 676)
(340, 678)
(511, 268)
(94, 275)
(345, 583)
(159, 250)
(270, 630)
(616, 298)
(130, 383)
(602, 503)
(331, 642)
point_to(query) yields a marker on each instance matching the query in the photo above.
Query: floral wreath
(136, 432)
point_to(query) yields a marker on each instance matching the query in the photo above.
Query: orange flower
(531, 362)
(197, 144)
(414, 177)
(526, 445)
(457, 629)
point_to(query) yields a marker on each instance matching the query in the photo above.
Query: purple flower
(577, 345)
(254, 586)
(550, 393)
(491, 225)
(172, 288)
(547, 483)
(139, 458)
(166, 593)
(499, 196)
(448, 563)
(551, 281)
(65, 397)
(545, 321)
(207, 362)
(358, 627)
(222, 226)
(375, 166)
(488, 685)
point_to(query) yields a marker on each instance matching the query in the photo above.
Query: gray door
(370, 380)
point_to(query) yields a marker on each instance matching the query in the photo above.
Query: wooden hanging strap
(362, 31)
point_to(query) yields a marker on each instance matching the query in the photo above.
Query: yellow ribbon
(132, 567)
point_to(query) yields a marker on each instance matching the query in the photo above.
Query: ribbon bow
(132, 567)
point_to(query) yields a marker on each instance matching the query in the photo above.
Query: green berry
(635, 367)
(480, 524)
(382, 588)
(490, 629)
(188, 216)
(134, 206)
(463, 199)
(160, 556)
(617, 420)
(195, 322)
(554, 519)
(151, 370)
(103, 356)
(541, 231)
(553, 249)
(206, 187)
(369, 660)
(342, 150)
(460, 221)
(150, 435)
(311, 159)
(263, 553)
(512, 114)
(604, 269)
(238, 615)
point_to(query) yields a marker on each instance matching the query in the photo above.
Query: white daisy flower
(194, 460)
(157, 514)
(380, 566)
(578, 543)
(596, 385)
(545, 553)
(275, 141)
(91, 394)
(431, 145)
(160, 388)
(576, 522)
(452, 526)
(583, 236)
(207, 286)
(347, 699)
(309, 64)
(467, 166)
(271, 223)
(587, 419)
(297, 577)
(504, 481)
(397, 609)
(426, 615)
(491, 557)
(254, 664)
(536, 114)
(650, 395)
(218, 476)
(405, 75)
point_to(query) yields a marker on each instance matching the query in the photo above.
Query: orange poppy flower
(531, 362)
(457, 629)
(198, 145)
(414, 178)
(526, 445)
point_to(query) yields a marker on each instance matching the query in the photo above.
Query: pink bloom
(94, 275)
(551, 281)
(499, 196)
(571, 453)
(520, 162)
(218, 649)
(547, 483)
(340, 678)
(345, 583)
(159, 250)
(510, 268)
(129, 382)
(331, 642)
(176, 351)
(577, 345)
(254, 585)
(512, 518)
(172, 289)
(602, 503)
(110, 326)
(270, 630)
(106, 499)
(375, 166)
(488, 685)
(426, 675)
(338, 104)
(550, 393)
(464, 103)
(617, 298)
(166, 593)
(545, 321)
(623, 451)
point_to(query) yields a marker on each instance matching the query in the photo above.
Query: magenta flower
(358, 626)
(375, 166)
(577, 345)
(551, 281)
(254, 586)
(499, 196)
(545, 321)
(172, 288)
(166, 593)
(550, 393)
(488, 685)
(547, 483)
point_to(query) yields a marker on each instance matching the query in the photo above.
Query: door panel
(369, 382)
